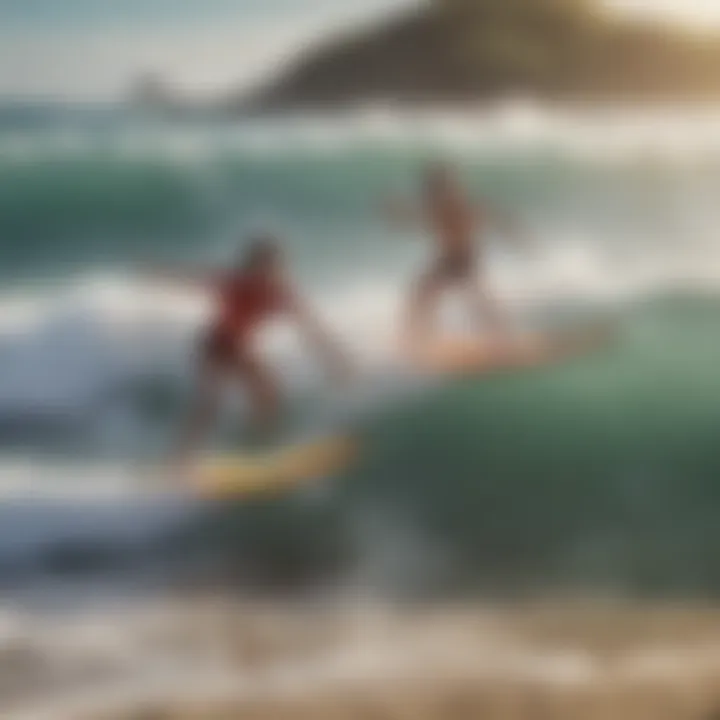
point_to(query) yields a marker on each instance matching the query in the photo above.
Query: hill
(468, 50)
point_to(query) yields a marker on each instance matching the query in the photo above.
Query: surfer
(246, 297)
(455, 222)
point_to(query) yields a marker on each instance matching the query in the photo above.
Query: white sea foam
(518, 129)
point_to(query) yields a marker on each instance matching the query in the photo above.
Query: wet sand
(220, 659)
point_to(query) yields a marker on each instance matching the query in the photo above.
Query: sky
(92, 49)
(698, 12)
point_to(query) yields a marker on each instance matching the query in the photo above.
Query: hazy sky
(92, 48)
(694, 11)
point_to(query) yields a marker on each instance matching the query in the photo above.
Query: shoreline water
(219, 657)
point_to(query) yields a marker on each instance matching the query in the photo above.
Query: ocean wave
(602, 472)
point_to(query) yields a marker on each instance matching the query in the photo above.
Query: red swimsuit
(244, 302)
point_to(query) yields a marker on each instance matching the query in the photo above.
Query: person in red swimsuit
(247, 297)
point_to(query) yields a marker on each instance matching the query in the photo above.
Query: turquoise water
(600, 474)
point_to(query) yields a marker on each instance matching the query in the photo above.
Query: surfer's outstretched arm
(318, 336)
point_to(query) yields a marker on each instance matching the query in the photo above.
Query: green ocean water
(598, 474)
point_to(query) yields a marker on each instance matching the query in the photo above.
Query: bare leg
(203, 409)
(486, 310)
(423, 301)
(263, 393)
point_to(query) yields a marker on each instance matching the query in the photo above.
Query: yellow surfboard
(260, 474)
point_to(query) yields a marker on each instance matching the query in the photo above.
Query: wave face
(600, 474)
